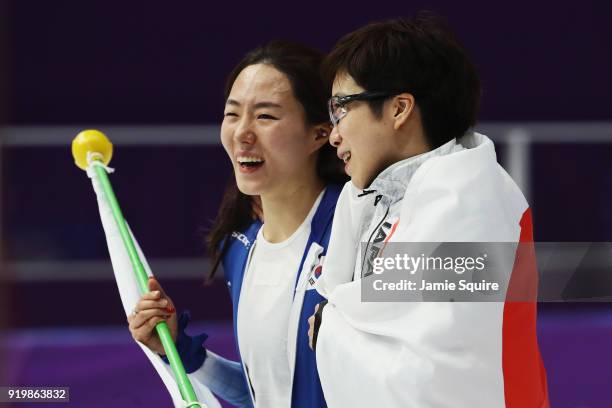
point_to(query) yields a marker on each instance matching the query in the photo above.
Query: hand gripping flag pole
(92, 151)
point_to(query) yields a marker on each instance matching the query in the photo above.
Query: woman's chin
(248, 187)
(358, 180)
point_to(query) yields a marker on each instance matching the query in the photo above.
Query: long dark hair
(302, 67)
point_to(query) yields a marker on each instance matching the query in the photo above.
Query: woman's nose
(334, 138)
(244, 132)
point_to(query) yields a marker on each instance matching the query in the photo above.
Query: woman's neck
(284, 213)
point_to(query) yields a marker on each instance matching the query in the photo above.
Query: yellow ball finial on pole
(91, 142)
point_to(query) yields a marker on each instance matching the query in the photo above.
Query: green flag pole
(92, 146)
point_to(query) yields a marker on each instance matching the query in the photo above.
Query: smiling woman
(265, 134)
(404, 97)
(275, 131)
(290, 99)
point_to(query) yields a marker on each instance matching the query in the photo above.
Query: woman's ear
(321, 135)
(403, 107)
(322, 131)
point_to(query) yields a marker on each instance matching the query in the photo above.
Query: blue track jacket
(232, 382)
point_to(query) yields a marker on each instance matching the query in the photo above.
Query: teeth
(346, 157)
(249, 159)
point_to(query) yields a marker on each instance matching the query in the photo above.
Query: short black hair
(419, 56)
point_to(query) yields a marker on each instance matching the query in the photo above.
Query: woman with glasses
(404, 97)
(270, 235)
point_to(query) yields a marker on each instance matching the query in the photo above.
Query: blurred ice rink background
(151, 77)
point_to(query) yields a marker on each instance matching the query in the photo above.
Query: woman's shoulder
(239, 244)
(243, 238)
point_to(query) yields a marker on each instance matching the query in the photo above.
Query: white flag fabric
(417, 354)
(130, 294)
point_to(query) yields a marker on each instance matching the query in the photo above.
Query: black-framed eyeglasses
(336, 105)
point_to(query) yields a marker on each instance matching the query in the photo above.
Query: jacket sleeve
(223, 377)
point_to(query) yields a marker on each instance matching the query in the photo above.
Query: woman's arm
(223, 377)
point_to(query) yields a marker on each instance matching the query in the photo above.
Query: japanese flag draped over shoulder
(419, 354)
(130, 294)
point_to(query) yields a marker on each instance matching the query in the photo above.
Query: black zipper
(365, 193)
